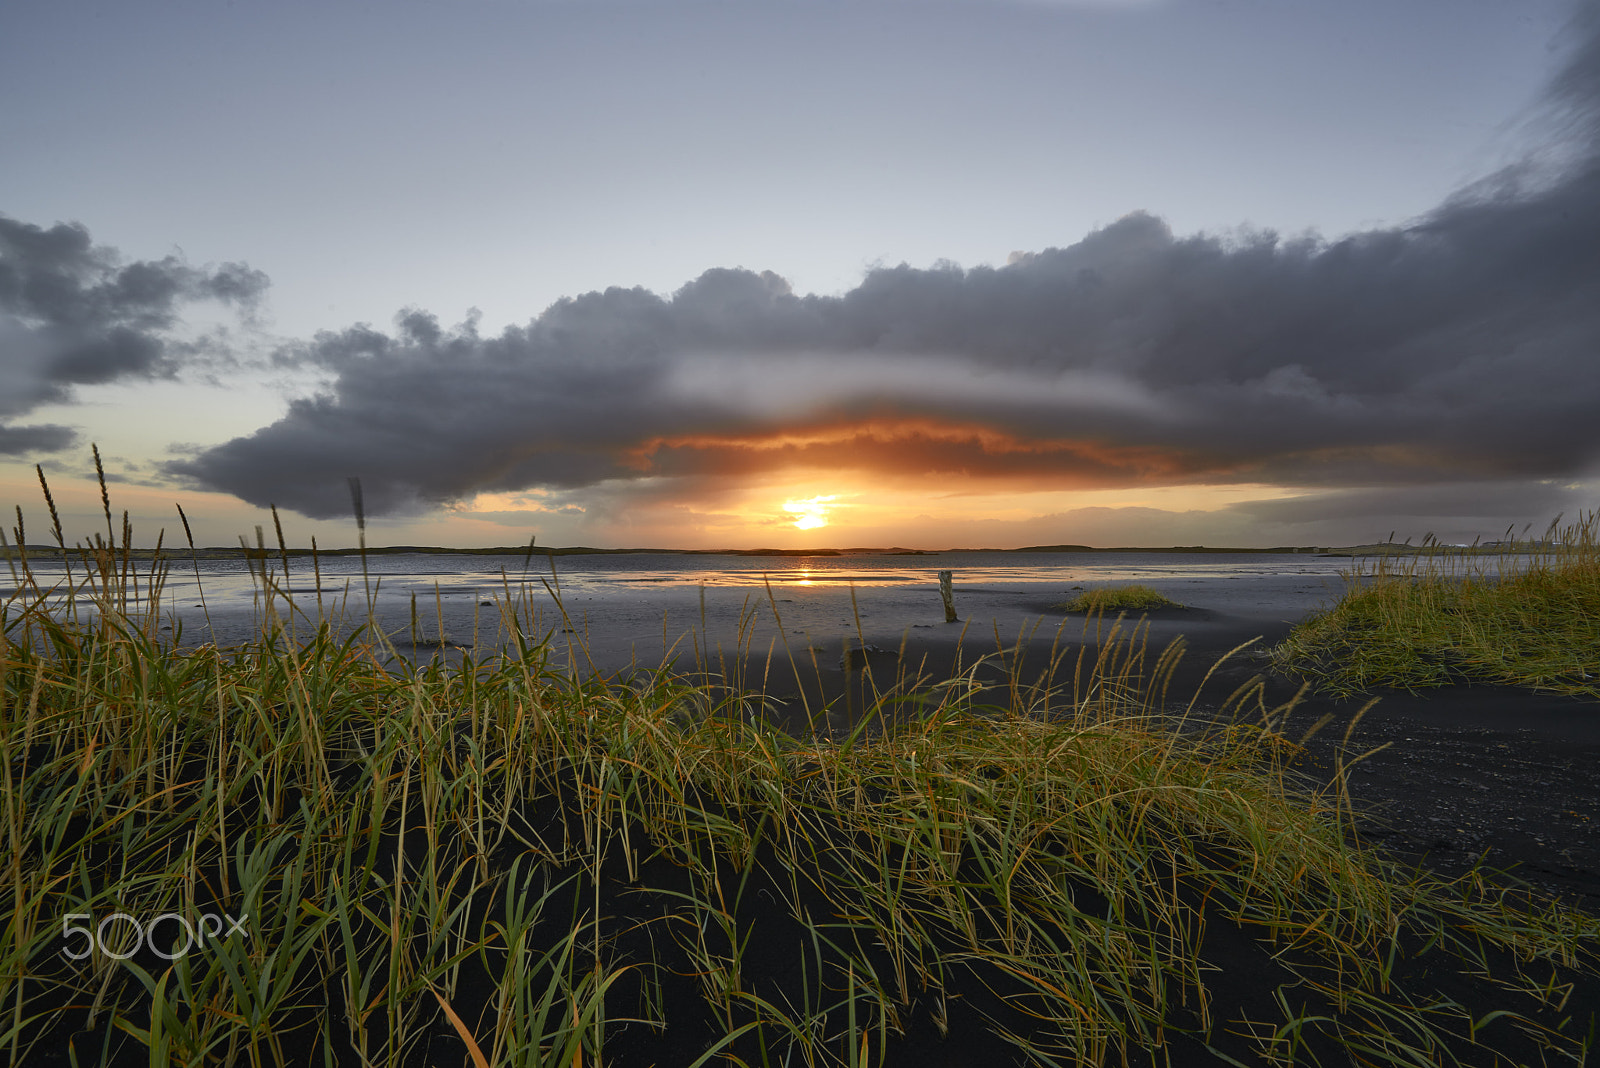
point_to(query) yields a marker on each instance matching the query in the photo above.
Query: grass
(1129, 598)
(1445, 616)
(501, 863)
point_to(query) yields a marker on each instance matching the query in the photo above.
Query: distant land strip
(256, 553)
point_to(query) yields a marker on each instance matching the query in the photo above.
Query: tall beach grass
(1523, 614)
(508, 862)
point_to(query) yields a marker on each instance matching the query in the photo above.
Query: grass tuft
(1130, 598)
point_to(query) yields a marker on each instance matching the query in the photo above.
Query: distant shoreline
(242, 553)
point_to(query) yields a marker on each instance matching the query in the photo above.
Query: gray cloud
(16, 440)
(72, 313)
(1459, 349)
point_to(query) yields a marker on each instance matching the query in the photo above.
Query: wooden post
(947, 595)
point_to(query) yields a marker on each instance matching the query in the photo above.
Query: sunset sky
(779, 273)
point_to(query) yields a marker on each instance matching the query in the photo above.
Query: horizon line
(589, 550)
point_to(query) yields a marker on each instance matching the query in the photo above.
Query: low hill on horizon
(215, 552)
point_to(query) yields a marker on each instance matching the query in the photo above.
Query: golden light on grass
(812, 512)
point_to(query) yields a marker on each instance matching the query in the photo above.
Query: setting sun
(811, 512)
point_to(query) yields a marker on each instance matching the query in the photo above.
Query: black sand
(1459, 773)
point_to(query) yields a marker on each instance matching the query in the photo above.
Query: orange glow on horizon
(919, 446)
(830, 432)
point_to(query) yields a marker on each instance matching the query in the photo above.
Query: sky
(744, 273)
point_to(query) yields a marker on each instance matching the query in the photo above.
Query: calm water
(227, 578)
(649, 592)
(629, 598)
(229, 581)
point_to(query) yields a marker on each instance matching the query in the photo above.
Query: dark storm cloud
(71, 313)
(1460, 349)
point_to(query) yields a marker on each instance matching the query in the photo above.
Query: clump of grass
(1130, 598)
(503, 863)
(1528, 615)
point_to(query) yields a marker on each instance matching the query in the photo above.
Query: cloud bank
(1460, 349)
(71, 313)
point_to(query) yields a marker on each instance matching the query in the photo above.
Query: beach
(1456, 773)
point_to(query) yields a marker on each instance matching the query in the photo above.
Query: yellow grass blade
(461, 1029)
